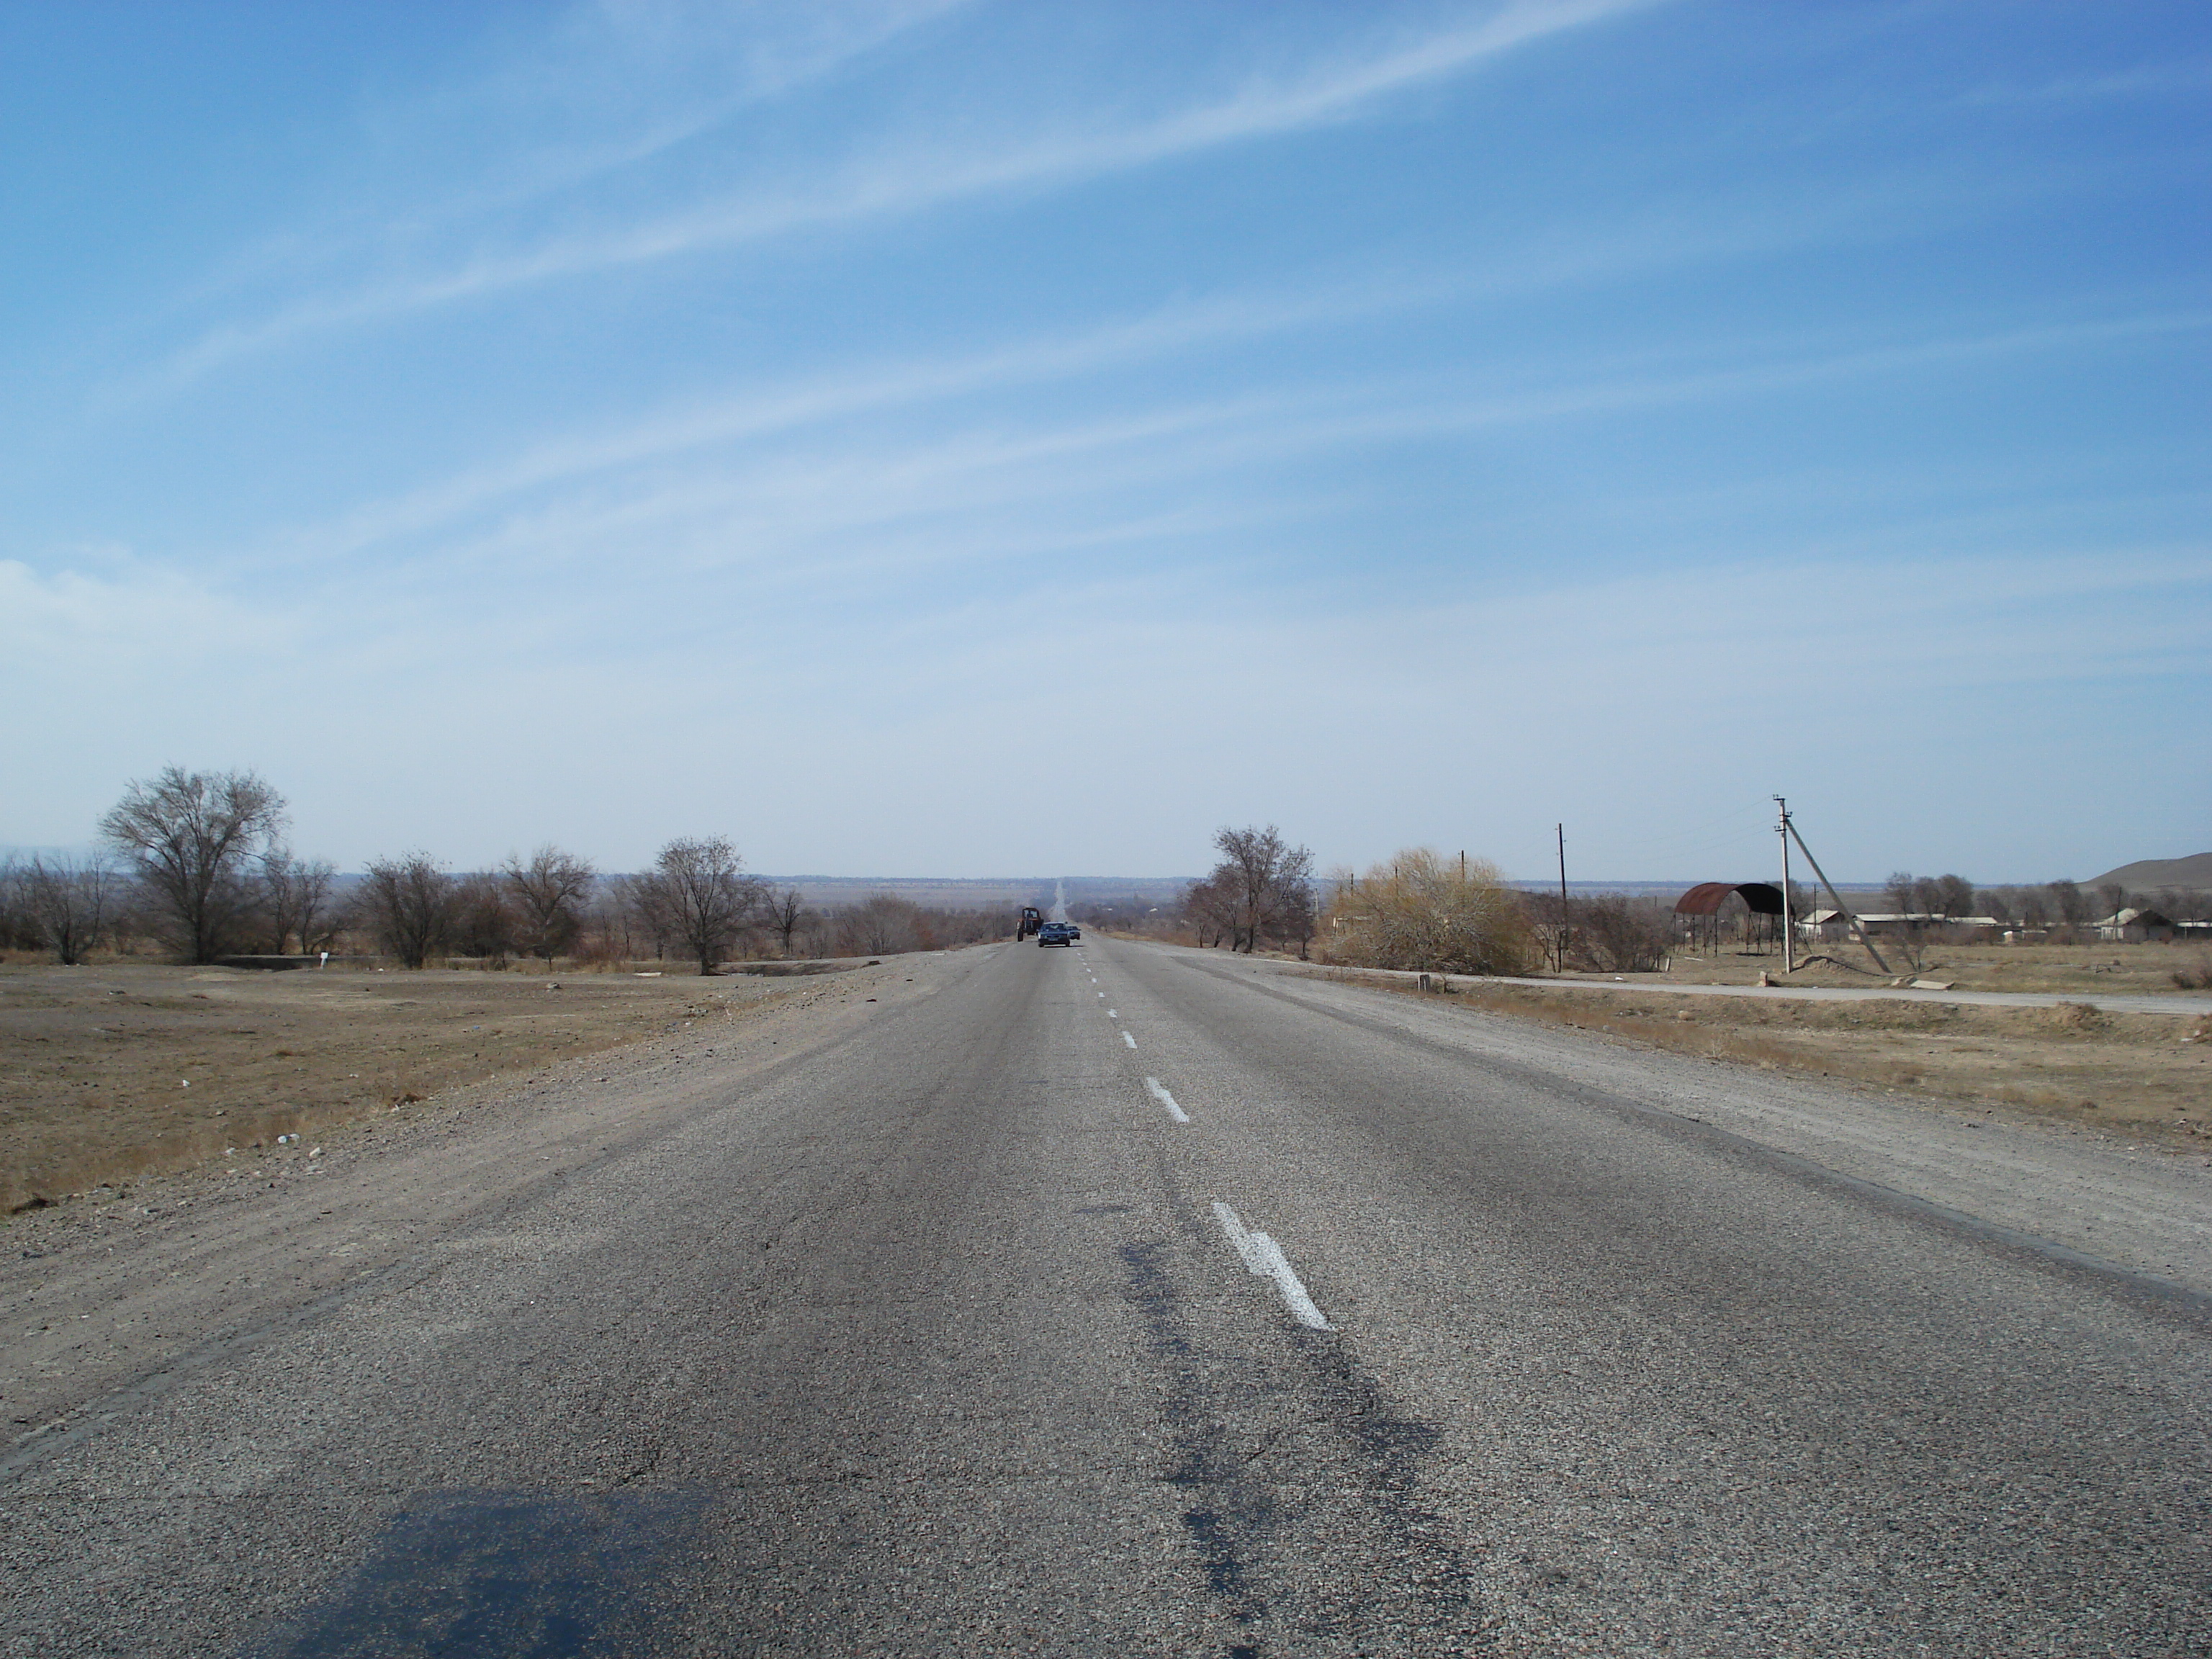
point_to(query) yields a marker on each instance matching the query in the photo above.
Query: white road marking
(1101, 996)
(1126, 1038)
(1265, 1258)
(1113, 1013)
(1164, 1097)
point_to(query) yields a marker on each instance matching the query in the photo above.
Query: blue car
(1059, 932)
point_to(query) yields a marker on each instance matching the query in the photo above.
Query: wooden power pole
(1559, 956)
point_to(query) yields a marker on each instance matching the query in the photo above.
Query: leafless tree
(409, 902)
(548, 893)
(190, 837)
(484, 923)
(1953, 897)
(2073, 903)
(786, 911)
(1210, 906)
(1267, 875)
(1297, 912)
(296, 895)
(17, 931)
(883, 925)
(698, 891)
(1902, 891)
(68, 903)
(2113, 897)
(1622, 935)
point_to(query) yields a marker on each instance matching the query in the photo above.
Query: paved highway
(1123, 1301)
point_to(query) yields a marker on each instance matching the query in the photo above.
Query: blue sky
(965, 439)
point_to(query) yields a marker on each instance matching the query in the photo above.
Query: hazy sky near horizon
(966, 439)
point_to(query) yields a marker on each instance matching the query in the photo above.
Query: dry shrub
(1429, 914)
(2197, 978)
(2079, 1017)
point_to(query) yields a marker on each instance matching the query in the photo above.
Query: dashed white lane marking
(1164, 1097)
(1265, 1258)
(1126, 1038)
(1113, 1013)
(1101, 996)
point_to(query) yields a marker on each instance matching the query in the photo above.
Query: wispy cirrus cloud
(2143, 80)
(906, 173)
(733, 466)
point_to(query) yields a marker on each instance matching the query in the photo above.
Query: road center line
(1126, 1038)
(1113, 1013)
(1265, 1259)
(1164, 1097)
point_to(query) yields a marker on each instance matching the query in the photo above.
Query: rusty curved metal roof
(1707, 897)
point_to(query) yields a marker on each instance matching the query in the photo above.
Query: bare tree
(1268, 876)
(2073, 903)
(296, 895)
(785, 910)
(1623, 935)
(1902, 889)
(190, 836)
(881, 925)
(698, 891)
(1953, 897)
(548, 893)
(2113, 897)
(69, 903)
(483, 922)
(1297, 913)
(409, 902)
(1210, 906)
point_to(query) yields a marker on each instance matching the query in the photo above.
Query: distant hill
(2147, 875)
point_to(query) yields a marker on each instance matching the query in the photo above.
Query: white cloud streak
(909, 178)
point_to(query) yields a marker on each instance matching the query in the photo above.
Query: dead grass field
(2144, 1075)
(108, 1073)
(2091, 970)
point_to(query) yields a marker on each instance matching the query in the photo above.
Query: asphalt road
(1118, 1301)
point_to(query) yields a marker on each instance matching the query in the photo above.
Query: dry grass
(2143, 1074)
(2090, 969)
(116, 1070)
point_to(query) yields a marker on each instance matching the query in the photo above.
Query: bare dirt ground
(129, 1277)
(2145, 1076)
(2091, 970)
(110, 1073)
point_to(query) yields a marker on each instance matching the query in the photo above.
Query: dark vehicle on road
(1033, 918)
(1059, 932)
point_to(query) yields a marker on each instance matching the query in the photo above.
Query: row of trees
(2051, 904)
(197, 863)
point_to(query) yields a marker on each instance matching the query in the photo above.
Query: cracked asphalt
(920, 1333)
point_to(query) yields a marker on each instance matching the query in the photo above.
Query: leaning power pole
(1838, 898)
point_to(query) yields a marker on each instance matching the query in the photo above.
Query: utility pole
(1789, 921)
(1559, 957)
(1837, 898)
